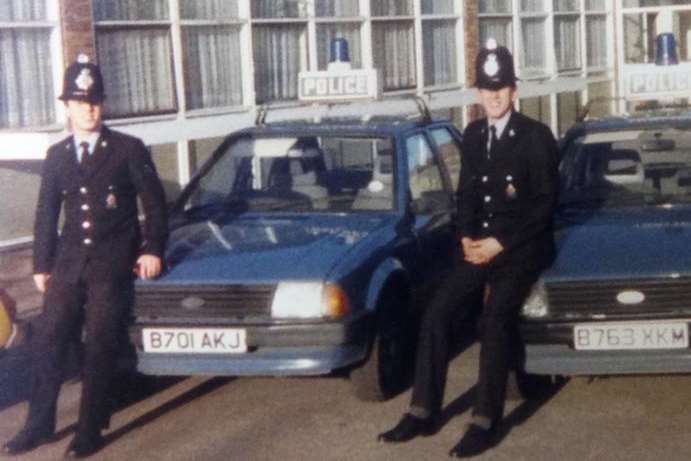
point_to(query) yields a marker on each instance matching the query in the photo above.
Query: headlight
(535, 305)
(309, 300)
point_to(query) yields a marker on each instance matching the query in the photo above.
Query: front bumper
(549, 350)
(561, 359)
(308, 348)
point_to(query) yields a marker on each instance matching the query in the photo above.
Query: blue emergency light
(666, 50)
(339, 50)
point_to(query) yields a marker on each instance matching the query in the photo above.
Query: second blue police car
(302, 248)
(618, 298)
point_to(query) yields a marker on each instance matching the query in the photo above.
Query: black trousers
(99, 304)
(508, 285)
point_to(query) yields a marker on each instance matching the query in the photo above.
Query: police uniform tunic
(91, 264)
(509, 193)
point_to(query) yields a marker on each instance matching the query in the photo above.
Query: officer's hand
(148, 266)
(487, 249)
(467, 244)
(41, 281)
(471, 251)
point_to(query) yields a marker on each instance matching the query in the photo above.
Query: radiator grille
(600, 297)
(218, 301)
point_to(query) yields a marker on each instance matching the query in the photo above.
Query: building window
(538, 108)
(27, 94)
(164, 157)
(393, 43)
(201, 150)
(439, 46)
(533, 59)
(567, 5)
(279, 54)
(211, 53)
(275, 9)
(567, 39)
(638, 30)
(494, 6)
(135, 54)
(280, 48)
(495, 21)
(600, 99)
(439, 42)
(569, 106)
(596, 31)
(338, 8)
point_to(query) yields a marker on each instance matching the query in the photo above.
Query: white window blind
(27, 95)
(393, 48)
(278, 55)
(439, 48)
(134, 49)
(567, 42)
(211, 53)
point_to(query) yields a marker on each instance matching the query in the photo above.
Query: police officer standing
(507, 195)
(86, 272)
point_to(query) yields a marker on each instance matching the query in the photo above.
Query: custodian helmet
(83, 82)
(494, 67)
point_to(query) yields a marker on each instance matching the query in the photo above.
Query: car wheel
(528, 386)
(384, 372)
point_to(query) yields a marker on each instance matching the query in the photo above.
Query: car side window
(450, 152)
(424, 176)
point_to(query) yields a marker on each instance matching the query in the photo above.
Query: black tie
(83, 152)
(493, 141)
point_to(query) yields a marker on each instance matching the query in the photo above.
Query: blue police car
(304, 247)
(618, 298)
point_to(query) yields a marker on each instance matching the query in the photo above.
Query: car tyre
(384, 372)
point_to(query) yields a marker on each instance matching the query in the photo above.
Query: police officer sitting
(507, 195)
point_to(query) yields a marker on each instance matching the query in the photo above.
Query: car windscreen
(627, 168)
(297, 174)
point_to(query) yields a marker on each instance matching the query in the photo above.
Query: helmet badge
(84, 80)
(491, 66)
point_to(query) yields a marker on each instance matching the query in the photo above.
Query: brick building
(183, 73)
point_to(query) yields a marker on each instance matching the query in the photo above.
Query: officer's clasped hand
(480, 251)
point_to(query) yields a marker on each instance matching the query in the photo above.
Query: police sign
(646, 81)
(338, 85)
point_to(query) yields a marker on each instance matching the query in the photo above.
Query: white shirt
(90, 140)
(499, 125)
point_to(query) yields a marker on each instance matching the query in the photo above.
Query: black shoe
(475, 441)
(24, 441)
(82, 447)
(408, 428)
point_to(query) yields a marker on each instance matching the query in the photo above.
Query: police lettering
(333, 85)
(658, 79)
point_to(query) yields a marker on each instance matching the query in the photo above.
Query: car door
(431, 207)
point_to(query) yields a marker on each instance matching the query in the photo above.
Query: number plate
(195, 340)
(622, 336)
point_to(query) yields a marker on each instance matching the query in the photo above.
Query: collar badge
(512, 133)
(511, 192)
(111, 201)
(84, 81)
